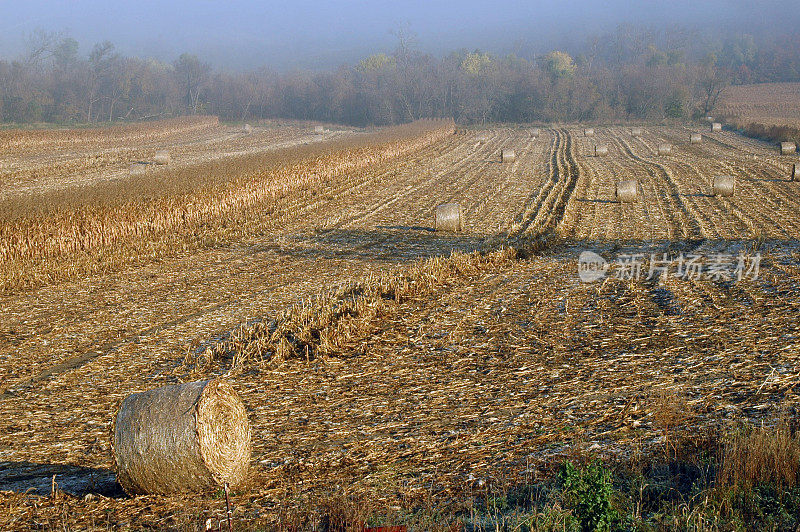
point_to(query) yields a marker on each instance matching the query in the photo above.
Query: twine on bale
(507, 155)
(448, 217)
(788, 148)
(724, 185)
(190, 437)
(627, 190)
(695, 138)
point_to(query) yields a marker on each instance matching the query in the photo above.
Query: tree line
(632, 73)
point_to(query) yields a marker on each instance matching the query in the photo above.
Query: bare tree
(193, 73)
(712, 83)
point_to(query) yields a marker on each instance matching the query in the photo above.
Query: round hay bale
(627, 190)
(507, 155)
(482, 138)
(664, 149)
(695, 138)
(716, 127)
(247, 129)
(181, 438)
(319, 130)
(788, 148)
(535, 132)
(709, 119)
(588, 132)
(162, 157)
(138, 167)
(448, 217)
(724, 185)
(636, 132)
(600, 151)
(795, 172)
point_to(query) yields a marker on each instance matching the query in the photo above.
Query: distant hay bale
(600, 151)
(664, 149)
(709, 119)
(319, 130)
(788, 148)
(138, 167)
(716, 127)
(448, 217)
(795, 172)
(627, 190)
(247, 129)
(507, 155)
(162, 157)
(695, 138)
(535, 132)
(636, 132)
(181, 437)
(588, 132)
(482, 138)
(724, 185)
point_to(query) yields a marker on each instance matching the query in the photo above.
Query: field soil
(495, 367)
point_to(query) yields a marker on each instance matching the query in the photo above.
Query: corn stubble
(71, 233)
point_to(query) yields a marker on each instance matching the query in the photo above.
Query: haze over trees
(632, 73)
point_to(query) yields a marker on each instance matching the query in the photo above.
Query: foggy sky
(318, 34)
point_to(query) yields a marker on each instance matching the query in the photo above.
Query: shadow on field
(406, 228)
(696, 195)
(384, 243)
(37, 479)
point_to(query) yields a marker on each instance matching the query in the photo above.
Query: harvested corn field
(396, 371)
(37, 161)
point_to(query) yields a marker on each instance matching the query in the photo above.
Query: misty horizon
(245, 35)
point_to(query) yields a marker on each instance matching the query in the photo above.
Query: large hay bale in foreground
(636, 132)
(507, 155)
(588, 132)
(600, 151)
(627, 190)
(716, 127)
(724, 185)
(695, 138)
(788, 148)
(181, 438)
(448, 217)
(319, 130)
(162, 157)
(664, 149)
